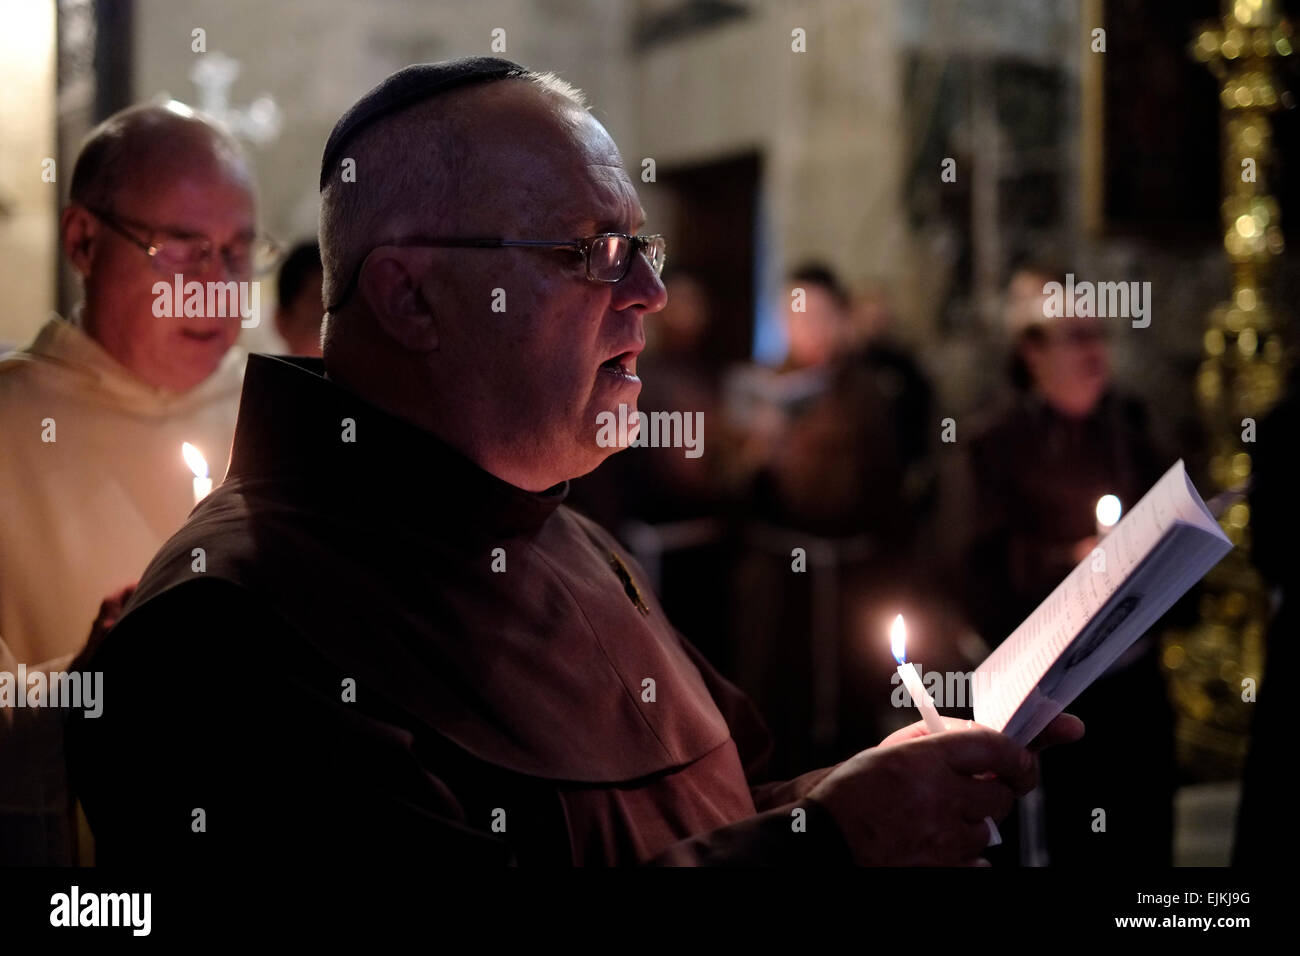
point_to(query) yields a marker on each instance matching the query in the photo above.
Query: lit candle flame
(194, 458)
(898, 639)
(1108, 511)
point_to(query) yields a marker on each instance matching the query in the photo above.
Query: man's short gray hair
(419, 153)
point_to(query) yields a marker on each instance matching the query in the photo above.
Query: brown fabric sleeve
(769, 837)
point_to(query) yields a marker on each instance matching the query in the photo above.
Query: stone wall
(28, 204)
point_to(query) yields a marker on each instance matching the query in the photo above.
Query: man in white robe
(94, 411)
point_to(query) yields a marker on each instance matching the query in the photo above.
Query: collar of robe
(297, 425)
(1044, 412)
(73, 362)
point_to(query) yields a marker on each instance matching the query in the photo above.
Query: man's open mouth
(198, 335)
(621, 365)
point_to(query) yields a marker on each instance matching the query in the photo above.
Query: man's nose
(640, 288)
(213, 269)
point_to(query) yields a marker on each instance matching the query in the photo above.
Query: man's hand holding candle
(1064, 729)
(921, 799)
(926, 796)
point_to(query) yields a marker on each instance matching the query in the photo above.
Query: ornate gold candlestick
(1238, 381)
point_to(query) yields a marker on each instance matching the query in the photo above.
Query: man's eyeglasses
(190, 255)
(609, 256)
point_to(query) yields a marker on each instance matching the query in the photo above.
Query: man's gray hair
(407, 169)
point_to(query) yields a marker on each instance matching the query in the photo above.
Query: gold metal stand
(1239, 379)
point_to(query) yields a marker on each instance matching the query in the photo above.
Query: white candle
(199, 465)
(912, 680)
(1107, 511)
(924, 702)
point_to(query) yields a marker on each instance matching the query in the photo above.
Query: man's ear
(78, 229)
(390, 285)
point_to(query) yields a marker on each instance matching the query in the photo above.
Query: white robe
(81, 516)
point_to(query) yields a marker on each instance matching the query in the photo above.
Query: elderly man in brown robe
(438, 661)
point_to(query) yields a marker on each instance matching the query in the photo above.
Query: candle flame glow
(194, 458)
(898, 639)
(1108, 510)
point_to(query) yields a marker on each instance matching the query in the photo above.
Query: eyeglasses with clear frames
(190, 255)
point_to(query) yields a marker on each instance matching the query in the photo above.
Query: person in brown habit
(450, 666)
(1066, 435)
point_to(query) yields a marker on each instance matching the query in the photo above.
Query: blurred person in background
(1039, 461)
(298, 305)
(904, 578)
(825, 474)
(86, 499)
(821, 445)
(95, 410)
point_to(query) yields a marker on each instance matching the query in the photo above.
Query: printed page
(1008, 678)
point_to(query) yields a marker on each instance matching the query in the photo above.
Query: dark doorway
(713, 217)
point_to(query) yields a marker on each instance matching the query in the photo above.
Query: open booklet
(1163, 546)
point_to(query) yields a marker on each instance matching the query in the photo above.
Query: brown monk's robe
(498, 716)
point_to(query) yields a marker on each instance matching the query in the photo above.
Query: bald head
(141, 145)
